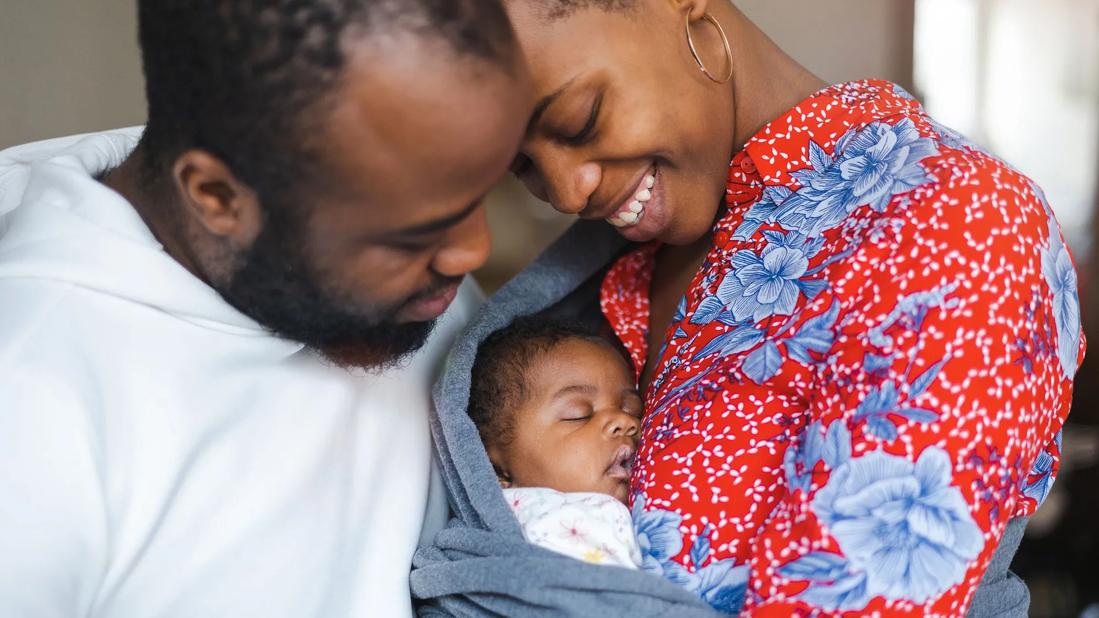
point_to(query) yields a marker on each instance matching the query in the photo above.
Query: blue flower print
(902, 93)
(722, 584)
(1040, 479)
(764, 285)
(1060, 275)
(872, 166)
(902, 525)
(879, 162)
(658, 536)
(950, 137)
(1038, 489)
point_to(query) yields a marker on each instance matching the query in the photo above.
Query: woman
(857, 339)
(856, 332)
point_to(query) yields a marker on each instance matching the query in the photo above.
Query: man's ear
(222, 203)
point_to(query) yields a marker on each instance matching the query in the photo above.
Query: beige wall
(69, 66)
(841, 40)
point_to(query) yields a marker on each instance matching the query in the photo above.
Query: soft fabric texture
(595, 528)
(160, 453)
(481, 565)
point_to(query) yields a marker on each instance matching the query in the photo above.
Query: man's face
(360, 264)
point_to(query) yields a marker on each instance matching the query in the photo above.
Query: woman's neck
(766, 82)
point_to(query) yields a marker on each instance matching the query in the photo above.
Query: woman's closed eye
(586, 133)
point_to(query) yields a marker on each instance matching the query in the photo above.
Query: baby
(559, 413)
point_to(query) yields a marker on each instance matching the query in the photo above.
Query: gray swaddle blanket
(481, 565)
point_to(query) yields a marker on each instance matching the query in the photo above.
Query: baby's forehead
(578, 349)
(577, 359)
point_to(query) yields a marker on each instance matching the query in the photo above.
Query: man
(209, 401)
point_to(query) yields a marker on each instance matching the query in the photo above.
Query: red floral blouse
(867, 377)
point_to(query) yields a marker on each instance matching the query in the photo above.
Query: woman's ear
(222, 203)
(694, 8)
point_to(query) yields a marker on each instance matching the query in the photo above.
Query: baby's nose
(622, 423)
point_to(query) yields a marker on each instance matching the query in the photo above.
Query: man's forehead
(419, 121)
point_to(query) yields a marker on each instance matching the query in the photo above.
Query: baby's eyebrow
(581, 389)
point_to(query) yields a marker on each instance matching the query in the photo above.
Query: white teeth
(633, 211)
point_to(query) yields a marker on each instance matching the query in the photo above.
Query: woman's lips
(621, 464)
(631, 212)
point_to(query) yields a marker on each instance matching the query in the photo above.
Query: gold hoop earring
(724, 41)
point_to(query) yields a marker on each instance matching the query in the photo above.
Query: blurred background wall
(68, 66)
(1019, 77)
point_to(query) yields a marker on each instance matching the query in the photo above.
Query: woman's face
(627, 128)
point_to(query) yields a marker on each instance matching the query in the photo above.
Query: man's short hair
(242, 79)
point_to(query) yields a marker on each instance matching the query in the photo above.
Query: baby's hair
(498, 384)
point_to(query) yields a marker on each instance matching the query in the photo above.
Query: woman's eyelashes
(588, 131)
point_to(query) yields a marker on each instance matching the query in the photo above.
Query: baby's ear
(501, 475)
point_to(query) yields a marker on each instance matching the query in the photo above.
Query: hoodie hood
(58, 222)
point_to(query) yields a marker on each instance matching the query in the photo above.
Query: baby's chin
(620, 491)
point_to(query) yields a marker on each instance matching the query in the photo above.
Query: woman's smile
(644, 217)
(632, 209)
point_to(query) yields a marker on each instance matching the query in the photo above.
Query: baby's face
(577, 429)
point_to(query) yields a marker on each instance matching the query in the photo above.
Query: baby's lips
(622, 463)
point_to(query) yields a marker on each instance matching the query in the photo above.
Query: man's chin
(383, 347)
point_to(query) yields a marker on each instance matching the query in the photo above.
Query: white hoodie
(160, 453)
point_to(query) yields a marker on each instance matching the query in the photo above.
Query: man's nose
(467, 246)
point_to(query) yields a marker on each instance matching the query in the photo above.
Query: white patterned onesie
(591, 527)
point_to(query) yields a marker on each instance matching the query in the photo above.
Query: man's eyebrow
(582, 389)
(543, 104)
(440, 224)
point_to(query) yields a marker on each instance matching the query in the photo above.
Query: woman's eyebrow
(544, 103)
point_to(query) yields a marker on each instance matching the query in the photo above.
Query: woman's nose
(570, 185)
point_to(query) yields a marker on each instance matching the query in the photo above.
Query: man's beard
(275, 285)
